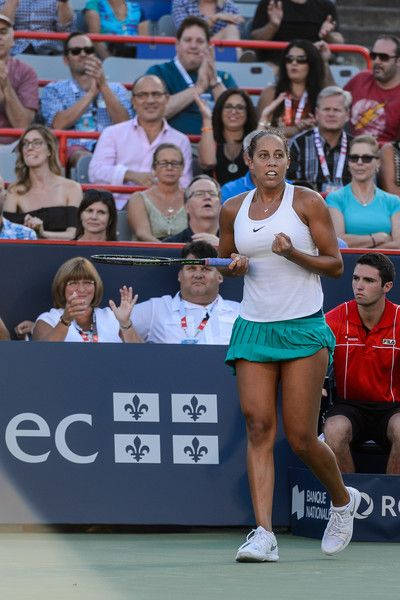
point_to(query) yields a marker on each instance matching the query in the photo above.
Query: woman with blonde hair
(77, 291)
(41, 198)
(364, 215)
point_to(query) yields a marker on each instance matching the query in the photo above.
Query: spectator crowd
(344, 143)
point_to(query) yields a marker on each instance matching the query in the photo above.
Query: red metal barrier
(153, 40)
(63, 135)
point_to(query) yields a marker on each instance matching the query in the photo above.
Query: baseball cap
(7, 20)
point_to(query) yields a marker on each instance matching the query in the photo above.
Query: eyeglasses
(34, 143)
(174, 164)
(301, 60)
(383, 57)
(365, 158)
(86, 284)
(238, 107)
(146, 95)
(78, 49)
(203, 194)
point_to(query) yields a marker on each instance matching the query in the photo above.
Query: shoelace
(336, 523)
(257, 539)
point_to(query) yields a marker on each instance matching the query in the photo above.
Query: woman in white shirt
(77, 291)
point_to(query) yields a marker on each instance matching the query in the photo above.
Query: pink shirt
(125, 146)
(24, 81)
(374, 110)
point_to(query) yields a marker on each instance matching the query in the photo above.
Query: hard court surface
(190, 566)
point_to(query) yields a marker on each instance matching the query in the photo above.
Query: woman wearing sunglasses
(303, 72)
(222, 134)
(363, 215)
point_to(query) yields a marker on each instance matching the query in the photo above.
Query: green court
(190, 566)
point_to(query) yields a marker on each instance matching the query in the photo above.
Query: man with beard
(376, 94)
(366, 366)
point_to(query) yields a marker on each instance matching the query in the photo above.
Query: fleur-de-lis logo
(195, 451)
(136, 409)
(195, 410)
(137, 451)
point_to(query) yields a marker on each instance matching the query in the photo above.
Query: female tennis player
(282, 239)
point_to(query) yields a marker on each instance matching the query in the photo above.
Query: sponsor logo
(136, 407)
(137, 448)
(255, 229)
(366, 506)
(389, 342)
(297, 502)
(189, 449)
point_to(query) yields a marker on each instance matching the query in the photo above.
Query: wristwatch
(64, 321)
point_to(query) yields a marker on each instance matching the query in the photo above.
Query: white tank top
(276, 289)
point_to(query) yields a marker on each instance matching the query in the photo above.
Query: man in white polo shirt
(197, 314)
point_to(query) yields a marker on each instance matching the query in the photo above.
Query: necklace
(266, 210)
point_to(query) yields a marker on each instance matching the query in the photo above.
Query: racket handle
(218, 262)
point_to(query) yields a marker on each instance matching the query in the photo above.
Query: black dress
(228, 170)
(55, 218)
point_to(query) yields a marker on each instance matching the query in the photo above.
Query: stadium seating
(81, 170)
(47, 67)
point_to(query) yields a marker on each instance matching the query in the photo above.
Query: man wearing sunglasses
(19, 91)
(86, 102)
(376, 94)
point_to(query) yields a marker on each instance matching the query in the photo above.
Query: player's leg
(393, 435)
(302, 381)
(338, 433)
(257, 385)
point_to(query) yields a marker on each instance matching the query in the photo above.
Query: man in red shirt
(376, 94)
(366, 365)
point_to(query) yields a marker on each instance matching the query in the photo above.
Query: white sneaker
(260, 546)
(339, 530)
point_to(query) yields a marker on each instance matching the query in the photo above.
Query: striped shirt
(190, 8)
(305, 165)
(38, 15)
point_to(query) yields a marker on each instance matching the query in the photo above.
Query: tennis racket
(157, 261)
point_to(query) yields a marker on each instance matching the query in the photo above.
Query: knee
(260, 431)
(338, 432)
(301, 442)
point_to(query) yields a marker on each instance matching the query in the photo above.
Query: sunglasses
(77, 50)
(301, 60)
(383, 57)
(365, 158)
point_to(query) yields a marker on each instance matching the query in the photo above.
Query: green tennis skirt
(279, 340)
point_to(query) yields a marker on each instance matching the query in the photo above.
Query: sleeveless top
(161, 225)
(55, 218)
(276, 289)
(222, 172)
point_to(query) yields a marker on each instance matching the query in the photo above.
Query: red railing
(63, 135)
(154, 40)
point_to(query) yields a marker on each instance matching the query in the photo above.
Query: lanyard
(183, 72)
(287, 117)
(91, 335)
(202, 323)
(322, 159)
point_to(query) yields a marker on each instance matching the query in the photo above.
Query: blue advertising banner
(124, 433)
(377, 518)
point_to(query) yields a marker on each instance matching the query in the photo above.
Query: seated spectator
(39, 15)
(41, 198)
(390, 167)
(86, 102)
(77, 291)
(192, 73)
(366, 366)
(97, 217)
(202, 200)
(19, 95)
(197, 314)
(287, 20)
(124, 152)
(4, 335)
(9, 230)
(159, 211)
(291, 103)
(245, 183)
(222, 133)
(318, 157)
(222, 17)
(116, 17)
(363, 215)
(376, 94)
